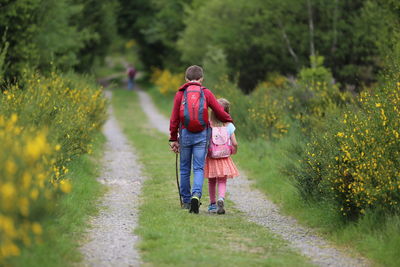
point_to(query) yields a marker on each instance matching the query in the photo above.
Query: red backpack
(194, 109)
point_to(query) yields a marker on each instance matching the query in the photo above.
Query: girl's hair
(213, 118)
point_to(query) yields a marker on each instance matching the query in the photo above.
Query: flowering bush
(267, 112)
(167, 82)
(315, 95)
(356, 163)
(44, 124)
(25, 167)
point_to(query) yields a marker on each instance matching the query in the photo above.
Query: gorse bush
(68, 106)
(45, 122)
(314, 95)
(267, 113)
(277, 104)
(356, 163)
(167, 82)
(27, 161)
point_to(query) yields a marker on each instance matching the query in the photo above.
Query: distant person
(219, 165)
(190, 117)
(131, 77)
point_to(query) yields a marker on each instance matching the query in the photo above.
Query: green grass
(171, 236)
(374, 236)
(65, 226)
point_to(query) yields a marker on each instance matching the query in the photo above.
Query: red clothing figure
(211, 102)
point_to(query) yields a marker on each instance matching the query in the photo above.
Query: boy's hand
(174, 145)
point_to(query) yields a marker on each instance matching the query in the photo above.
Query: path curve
(264, 212)
(111, 241)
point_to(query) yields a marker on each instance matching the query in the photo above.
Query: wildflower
(8, 191)
(37, 229)
(340, 134)
(65, 186)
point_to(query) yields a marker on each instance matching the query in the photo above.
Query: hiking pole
(177, 178)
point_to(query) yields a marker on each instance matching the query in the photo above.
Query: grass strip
(171, 236)
(65, 226)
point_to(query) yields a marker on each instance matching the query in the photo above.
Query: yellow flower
(8, 191)
(11, 168)
(340, 134)
(37, 146)
(65, 186)
(24, 206)
(36, 228)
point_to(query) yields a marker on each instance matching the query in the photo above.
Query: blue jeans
(131, 83)
(192, 146)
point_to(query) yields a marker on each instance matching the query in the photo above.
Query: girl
(217, 170)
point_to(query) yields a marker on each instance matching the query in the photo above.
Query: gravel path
(264, 212)
(111, 241)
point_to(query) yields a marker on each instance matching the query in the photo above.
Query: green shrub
(44, 124)
(356, 163)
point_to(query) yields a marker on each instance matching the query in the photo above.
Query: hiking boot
(194, 204)
(212, 208)
(220, 206)
(186, 206)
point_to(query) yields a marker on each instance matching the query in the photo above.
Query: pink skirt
(223, 167)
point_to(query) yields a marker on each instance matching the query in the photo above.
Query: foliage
(44, 124)
(65, 224)
(3, 52)
(96, 22)
(209, 25)
(167, 82)
(355, 164)
(155, 25)
(215, 66)
(314, 95)
(261, 37)
(55, 33)
(26, 165)
(261, 114)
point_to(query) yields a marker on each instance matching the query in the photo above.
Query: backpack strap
(202, 99)
(186, 108)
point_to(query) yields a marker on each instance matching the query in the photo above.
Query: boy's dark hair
(194, 73)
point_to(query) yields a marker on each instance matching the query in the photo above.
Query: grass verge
(66, 224)
(373, 236)
(171, 236)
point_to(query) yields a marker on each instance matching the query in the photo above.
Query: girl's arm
(234, 143)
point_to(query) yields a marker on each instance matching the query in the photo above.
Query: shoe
(212, 208)
(186, 206)
(220, 206)
(194, 204)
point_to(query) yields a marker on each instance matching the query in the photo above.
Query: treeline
(254, 38)
(54, 34)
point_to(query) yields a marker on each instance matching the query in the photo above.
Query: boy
(190, 117)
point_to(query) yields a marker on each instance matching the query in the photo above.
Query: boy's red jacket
(211, 102)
